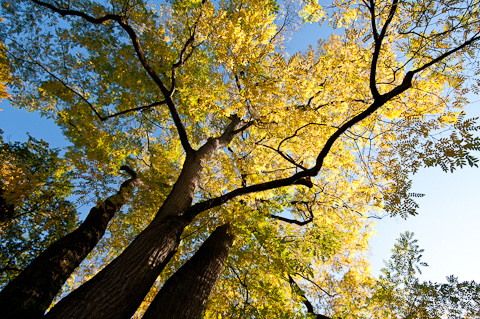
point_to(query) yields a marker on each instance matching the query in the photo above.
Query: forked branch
(378, 42)
(123, 22)
(305, 301)
(292, 180)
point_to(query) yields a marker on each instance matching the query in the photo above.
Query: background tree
(294, 152)
(35, 212)
(398, 292)
(36, 215)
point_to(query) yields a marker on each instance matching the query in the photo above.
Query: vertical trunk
(31, 293)
(185, 293)
(118, 290)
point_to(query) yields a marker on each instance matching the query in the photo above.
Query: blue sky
(447, 226)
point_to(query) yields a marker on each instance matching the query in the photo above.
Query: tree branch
(122, 21)
(285, 156)
(305, 301)
(231, 130)
(293, 221)
(30, 294)
(66, 86)
(448, 53)
(213, 202)
(378, 43)
(182, 59)
(140, 108)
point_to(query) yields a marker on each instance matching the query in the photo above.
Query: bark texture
(31, 293)
(118, 290)
(185, 293)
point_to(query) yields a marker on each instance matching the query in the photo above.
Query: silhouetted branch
(140, 108)
(123, 22)
(293, 221)
(305, 301)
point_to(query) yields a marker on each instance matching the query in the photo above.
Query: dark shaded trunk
(119, 289)
(31, 293)
(6, 209)
(185, 293)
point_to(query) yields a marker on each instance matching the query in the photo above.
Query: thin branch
(298, 130)
(316, 285)
(448, 53)
(285, 156)
(67, 87)
(305, 301)
(182, 59)
(293, 221)
(140, 108)
(122, 21)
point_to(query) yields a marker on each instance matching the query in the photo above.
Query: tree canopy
(34, 210)
(398, 292)
(296, 152)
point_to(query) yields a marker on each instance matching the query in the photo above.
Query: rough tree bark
(137, 268)
(184, 295)
(135, 271)
(31, 293)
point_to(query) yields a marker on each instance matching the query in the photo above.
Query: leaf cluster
(34, 210)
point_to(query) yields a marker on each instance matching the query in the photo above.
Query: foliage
(328, 136)
(4, 72)
(398, 293)
(34, 211)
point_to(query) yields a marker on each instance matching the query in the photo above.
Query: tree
(399, 293)
(186, 292)
(34, 210)
(36, 215)
(222, 126)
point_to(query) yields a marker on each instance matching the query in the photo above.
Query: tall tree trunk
(118, 290)
(31, 293)
(185, 293)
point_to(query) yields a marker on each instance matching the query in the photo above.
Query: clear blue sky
(448, 224)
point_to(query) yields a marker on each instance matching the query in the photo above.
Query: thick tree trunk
(185, 293)
(31, 293)
(118, 290)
